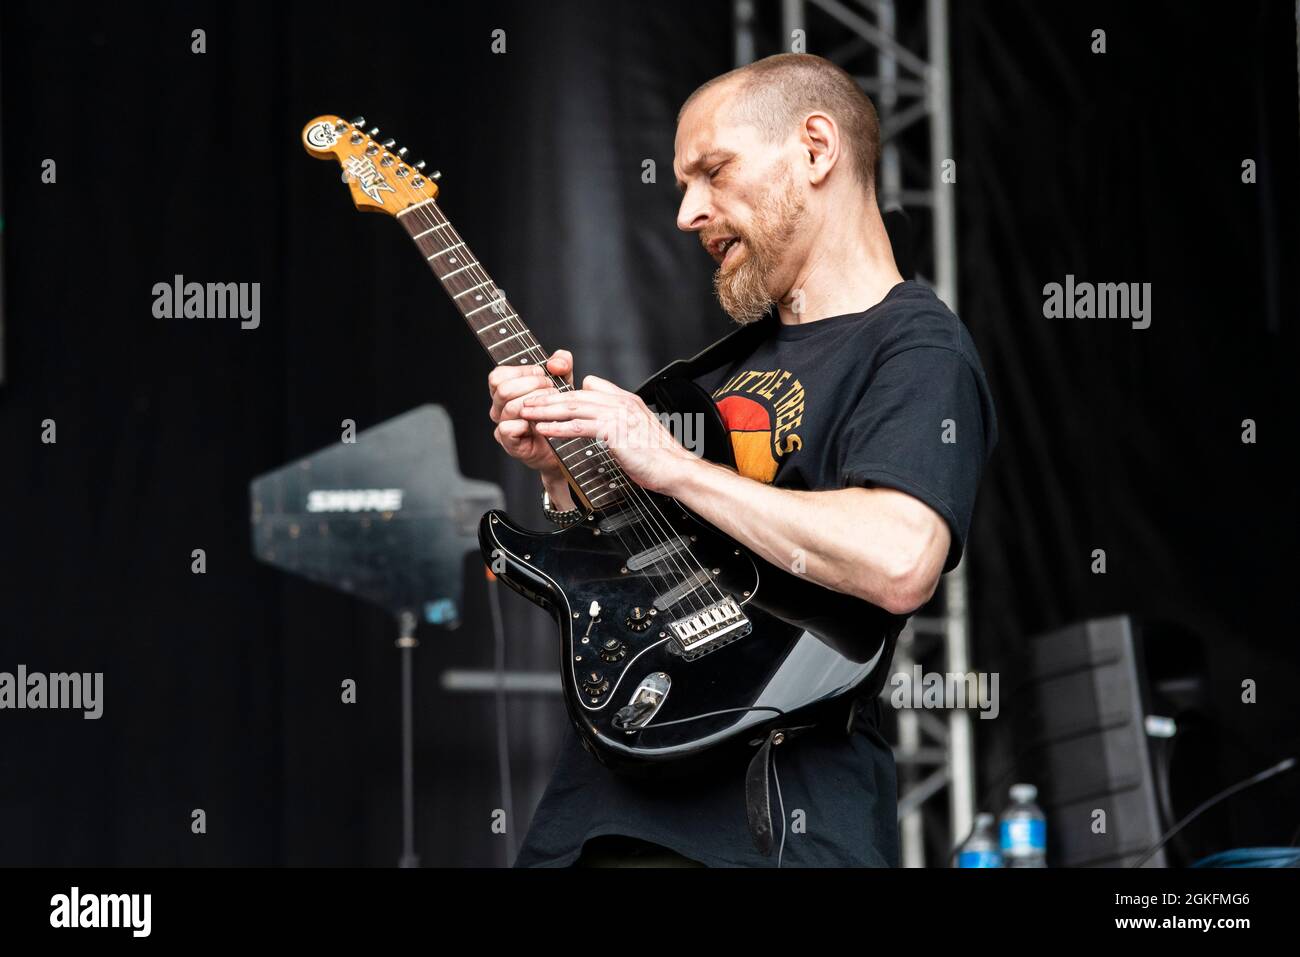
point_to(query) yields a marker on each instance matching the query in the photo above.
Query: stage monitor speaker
(1090, 755)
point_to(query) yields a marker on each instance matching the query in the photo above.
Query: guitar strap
(743, 341)
(735, 345)
(758, 799)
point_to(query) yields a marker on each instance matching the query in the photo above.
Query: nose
(694, 212)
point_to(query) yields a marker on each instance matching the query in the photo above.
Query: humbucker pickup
(710, 627)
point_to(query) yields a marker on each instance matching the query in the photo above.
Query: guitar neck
(496, 325)
(504, 337)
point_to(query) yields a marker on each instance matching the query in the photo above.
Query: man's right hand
(510, 386)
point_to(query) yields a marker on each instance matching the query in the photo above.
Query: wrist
(556, 486)
(692, 475)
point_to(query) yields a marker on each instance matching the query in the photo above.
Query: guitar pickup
(710, 628)
(689, 586)
(656, 554)
(616, 521)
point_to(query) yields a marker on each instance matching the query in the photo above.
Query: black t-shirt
(895, 397)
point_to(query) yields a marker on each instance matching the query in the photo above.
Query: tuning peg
(436, 174)
(389, 144)
(402, 152)
(359, 122)
(419, 165)
(374, 131)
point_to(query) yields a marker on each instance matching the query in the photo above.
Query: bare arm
(878, 544)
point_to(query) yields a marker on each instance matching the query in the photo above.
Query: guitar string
(511, 321)
(602, 454)
(629, 487)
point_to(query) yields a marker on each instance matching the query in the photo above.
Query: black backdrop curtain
(222, 690)
(1127, 167)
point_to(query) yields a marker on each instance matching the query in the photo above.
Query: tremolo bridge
(709, 628)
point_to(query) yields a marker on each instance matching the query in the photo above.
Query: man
(861, 422)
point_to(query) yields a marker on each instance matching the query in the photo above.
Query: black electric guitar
(676, 642)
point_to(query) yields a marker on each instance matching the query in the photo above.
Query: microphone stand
(407, 642)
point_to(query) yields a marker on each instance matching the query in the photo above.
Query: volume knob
(638, 619)
(595, 684)
(612, 650)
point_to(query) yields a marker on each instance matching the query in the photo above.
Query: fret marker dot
(589, 452)
(502, 330)
(478, 298)
(451, 259)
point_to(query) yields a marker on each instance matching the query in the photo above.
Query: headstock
(378, 174)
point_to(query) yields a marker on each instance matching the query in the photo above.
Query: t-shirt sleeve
(923, 426)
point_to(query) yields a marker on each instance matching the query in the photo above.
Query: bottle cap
(1024, 793)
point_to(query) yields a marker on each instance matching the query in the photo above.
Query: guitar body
(676, 643)
(805, 653)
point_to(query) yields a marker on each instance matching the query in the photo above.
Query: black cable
(1264, 775)
(1162, 760)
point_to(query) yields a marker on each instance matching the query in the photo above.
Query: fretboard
(505, 338)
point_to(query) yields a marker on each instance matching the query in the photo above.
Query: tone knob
(595, 684)
(638, 619)
(613, 650)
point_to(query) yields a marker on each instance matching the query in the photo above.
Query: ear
(821, 144)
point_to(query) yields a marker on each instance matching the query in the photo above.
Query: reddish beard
(745, 290)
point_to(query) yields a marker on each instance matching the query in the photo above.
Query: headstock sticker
(369, 178)
(322, 135)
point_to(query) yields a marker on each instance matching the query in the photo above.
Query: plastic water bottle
(981, 848)
(1024, 829)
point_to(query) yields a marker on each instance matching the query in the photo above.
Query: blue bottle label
(1024, 834)
(979, 859)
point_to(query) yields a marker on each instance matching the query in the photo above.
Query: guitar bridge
(710, 628)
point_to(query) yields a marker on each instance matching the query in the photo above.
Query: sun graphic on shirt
(750, 425)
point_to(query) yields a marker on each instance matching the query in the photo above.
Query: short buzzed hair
(778, 92)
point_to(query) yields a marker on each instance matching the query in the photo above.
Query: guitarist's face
(743, 201)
